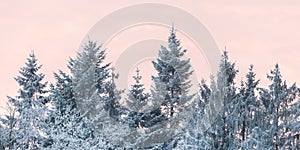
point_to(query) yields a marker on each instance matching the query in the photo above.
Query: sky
(254, 32)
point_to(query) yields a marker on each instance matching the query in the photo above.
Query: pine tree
(89, 76)
(137, 101)
(247, 108)
(205, 93)
(293, 137)
(112, 104)
(276, 101)
(290, 119)
(193, 136)
(30, 106)
(137, 96)
(111, 115)
(67, 128)
(223, 93)
(257, 139)
(95, 92)
(171, 85)
(8, 122)
(102, 72)
(3, 139)
(203, 100)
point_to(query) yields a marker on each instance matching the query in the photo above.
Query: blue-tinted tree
(137, 101)
(30, 106)
(276, 101)
(172, 83)
(223, 93)
(67, 129)
(8, 122)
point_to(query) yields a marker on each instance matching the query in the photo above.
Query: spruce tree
(95, 92)
(193, 137)
(30, 106)
(293, 137)
(276, 101)
(137, 101)
(247, 109)
(89, 75)
(112, 101)
(3, 139)
(172, 83)
(223, 93)
(8, 122)
(67, 129)
(137, 96)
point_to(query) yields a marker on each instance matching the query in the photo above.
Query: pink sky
(261, 33)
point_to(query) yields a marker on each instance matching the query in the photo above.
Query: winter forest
(83, 108)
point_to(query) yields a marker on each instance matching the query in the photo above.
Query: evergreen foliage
(84, 110)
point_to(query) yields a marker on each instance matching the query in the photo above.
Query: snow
(82, 110)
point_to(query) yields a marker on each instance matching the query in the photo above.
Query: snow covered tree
(8, 122)
(112, 101)
(247, 105)
(89, 76)
(213, 128)
(205, 93)
(67, 129)
(293, 137)
(137, 96)
(258, 139)
(171, 88)
(276, 101)
(95, 92)
(247, 111)
(223, 93)
(193, 141)
(93, 84)
(103, 73)
(30, 106)
(171, 85)
(193, 137)
(84, 110)
(137, 101)
(3, 137)
(140, 113)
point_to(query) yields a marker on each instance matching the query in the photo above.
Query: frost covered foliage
(223, 94)
(212, 127)
(89, 75)
(83, 109)
(7, 127)
(278, 102)
(172, 83)
(93, 82)
(137, 103)
(30, 105)
(66, 127)
(251, 117)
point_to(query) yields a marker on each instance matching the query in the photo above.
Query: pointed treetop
(29, 73)
(276, 66)
(174, 43)
(137, 77)
(173, 28)
(32, 59)
(173, 34)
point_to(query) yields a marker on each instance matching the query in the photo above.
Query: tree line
(83, 108)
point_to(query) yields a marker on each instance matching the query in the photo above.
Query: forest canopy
(83, 109)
